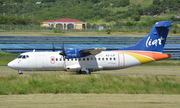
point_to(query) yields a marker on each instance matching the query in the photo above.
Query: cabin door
(121, 61)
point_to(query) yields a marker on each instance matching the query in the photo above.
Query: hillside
(101, 12)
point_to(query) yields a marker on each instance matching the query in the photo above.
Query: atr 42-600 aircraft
(147, 50)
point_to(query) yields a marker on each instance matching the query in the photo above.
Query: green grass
(164, 63)
(90, 101)
(167, 15)
(145, 18)
(144, 3)
(35, 84)
(6, 57)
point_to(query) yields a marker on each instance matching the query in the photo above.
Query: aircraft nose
(10, 64)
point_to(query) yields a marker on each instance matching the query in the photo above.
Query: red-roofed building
(64, 23)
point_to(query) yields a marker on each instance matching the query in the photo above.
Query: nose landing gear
(21, 72)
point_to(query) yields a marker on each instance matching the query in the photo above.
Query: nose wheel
(21, 72)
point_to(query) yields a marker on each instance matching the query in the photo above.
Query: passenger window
(99, 59)
(75, 59)
(60, 59)
(110, 58)
(94, 58)
(106, 58)
(52, 59)
(83, 59)
(56, 59)
(114, 58)
(79, 59)
(71, 59)
(91, 58)
(103, 59)
(27, 56)
(87, 59)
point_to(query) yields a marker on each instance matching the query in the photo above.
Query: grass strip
(163, 63)
(76, 100)
(35, 84)
(6, 57)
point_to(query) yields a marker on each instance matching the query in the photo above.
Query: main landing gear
(84, 71)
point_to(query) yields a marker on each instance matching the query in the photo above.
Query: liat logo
(155, 42)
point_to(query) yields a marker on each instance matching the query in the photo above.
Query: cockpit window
(23, 57)
(20, 56)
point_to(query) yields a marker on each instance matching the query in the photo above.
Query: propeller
(63, 51)
(63, 54)
(53, 49)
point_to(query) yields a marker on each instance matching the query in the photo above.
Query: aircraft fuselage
(52, 61)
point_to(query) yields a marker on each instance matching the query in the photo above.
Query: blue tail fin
(156, 39)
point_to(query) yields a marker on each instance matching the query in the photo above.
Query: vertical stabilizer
(156, 39)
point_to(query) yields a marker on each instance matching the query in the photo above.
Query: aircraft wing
(91, 51)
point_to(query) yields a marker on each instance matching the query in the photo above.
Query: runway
(133, 71)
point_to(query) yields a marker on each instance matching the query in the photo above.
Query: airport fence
(38, 28)
(23, 28)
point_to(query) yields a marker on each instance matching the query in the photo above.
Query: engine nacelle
(73, 53)
(75, 67)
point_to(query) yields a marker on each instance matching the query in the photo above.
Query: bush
(108, 31)
(130, 23)
(15, 20)
(135, 17)
(174, 31)
(57, 30)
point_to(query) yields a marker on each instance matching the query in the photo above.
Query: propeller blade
(53, 49)
(64, 55)
(63, 50)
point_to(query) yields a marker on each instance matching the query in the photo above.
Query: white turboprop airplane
(147, 50)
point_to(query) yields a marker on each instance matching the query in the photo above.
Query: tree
(119, 3)
(95, 1)
(135, 17)
(129, 23)
(46, 1)
(1, 1)
(156, 2)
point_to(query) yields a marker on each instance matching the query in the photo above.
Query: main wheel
(80, 72)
